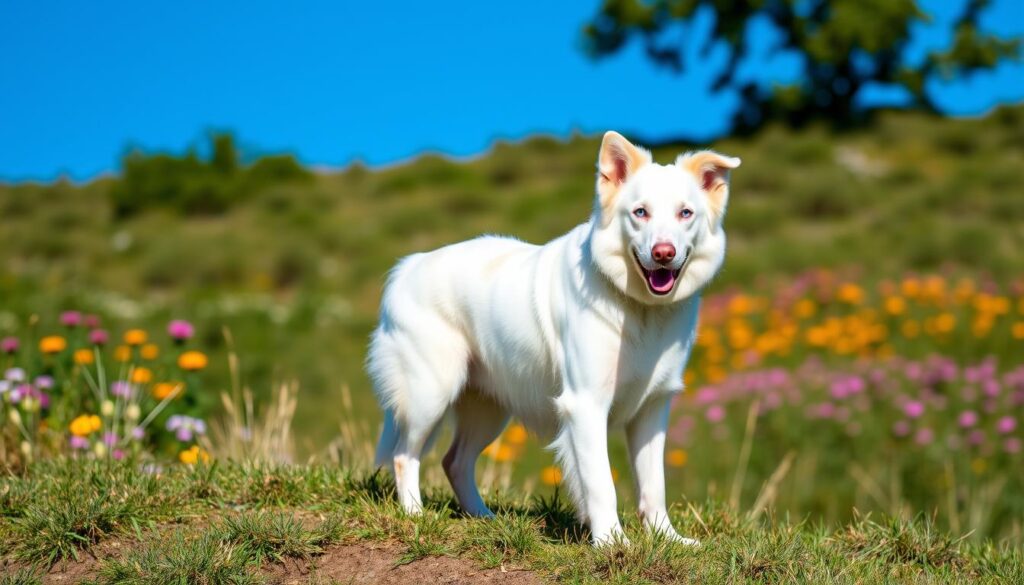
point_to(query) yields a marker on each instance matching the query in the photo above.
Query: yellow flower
(551, 475)
(677, 457)
(135, 337)
(123, 353)
(851, 293)
(84, 357)
(500, 452)
(911, 287)
(895, 305)
(193, 455)
(1018, 330)
(84, 425)
(805, 308)
(52, 344)
(149, 351)
(945, 323)
(192, 361)
(162, 390)
(142, 375)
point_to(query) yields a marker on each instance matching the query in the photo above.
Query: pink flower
(1006, 425)
(9, 344)
(98, 337)
(715, 413)
(975, 437)
(77, 442)
(901, 428)
(1012, 445)
(913, 409)
(109, 439)
(91, 321)
(71, 318)
(180, 330)
(121, 388)
(968, 418)
(924, 436)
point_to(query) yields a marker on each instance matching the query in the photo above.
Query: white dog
(590, 330)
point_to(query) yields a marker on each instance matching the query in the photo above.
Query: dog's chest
(652, 357)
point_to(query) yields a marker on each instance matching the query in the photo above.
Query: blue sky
(337, 81)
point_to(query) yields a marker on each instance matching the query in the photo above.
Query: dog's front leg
(582, 449)
(646, 436)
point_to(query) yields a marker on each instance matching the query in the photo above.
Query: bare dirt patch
(377, 563)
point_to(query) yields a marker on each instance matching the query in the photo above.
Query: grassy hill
(295, 269)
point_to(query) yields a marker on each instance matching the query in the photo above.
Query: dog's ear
(617, 160)
(712, 173)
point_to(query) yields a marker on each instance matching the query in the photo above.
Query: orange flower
(516, 434)
(193, 455)
(135, 337)
(52, 344)
(551, 475)
(851, 293)
(84, 357)
(123, 353)
(142, 375)
(85, 425)
(677, 457)
(162, 390)
(149, 351)
(895, 305)
(192, 361)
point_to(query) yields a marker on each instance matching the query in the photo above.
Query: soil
(376, 564)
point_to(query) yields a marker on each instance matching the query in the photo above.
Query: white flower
(132, 412)
(107, 408)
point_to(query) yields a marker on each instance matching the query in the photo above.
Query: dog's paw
(677, 538)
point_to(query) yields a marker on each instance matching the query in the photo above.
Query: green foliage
(181, 560)
(191, 185)
(844, 46)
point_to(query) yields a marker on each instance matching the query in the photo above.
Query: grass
(220, 536)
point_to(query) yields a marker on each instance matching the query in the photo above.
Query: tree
(844, 45)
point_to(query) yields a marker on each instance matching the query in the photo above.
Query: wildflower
(142, 375)
(677, 457)
(149, 351)
(895, 305)
(163, 390)
(1012, 445)
(121, 389)
(106, 408)
(551, 475)
(99, 337)
(15, 375)
(184, 427)
(123, 353)
(99, 449)
(52, 344)
(180, 331)
(84, 425)
(135, 337)
(913, 409)
(91, 321)
(851, 293)
(71, 318)
(516, 434)
(132, 412)
(9, 345)
(26, 449)
(924, 436)
(84, 357)
(192, 361)
(715, 413)
(138, 433)
(1006, 425)
(14, 416)
(193, 455)
(109, 438)
(5, 387)
(44, 382)
(77, 442)
(968, 418)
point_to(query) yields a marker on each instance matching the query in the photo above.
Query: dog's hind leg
(478, 421)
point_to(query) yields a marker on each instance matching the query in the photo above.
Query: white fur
(565, 336)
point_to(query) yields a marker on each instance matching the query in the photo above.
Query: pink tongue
(661, 280)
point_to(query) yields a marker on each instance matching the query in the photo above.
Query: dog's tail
(388, 440)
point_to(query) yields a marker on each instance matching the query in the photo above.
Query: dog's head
(658, 228)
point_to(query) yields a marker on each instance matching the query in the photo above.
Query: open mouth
(660, 281)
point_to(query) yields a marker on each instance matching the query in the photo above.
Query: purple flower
(77, 442)
(1006, 425)
(121, 389)
(71, 318)
(45, 382)
(5, 387)
(98, 337)
(180, 330)
(913, 409)
(968, 418)
(185, 427)
(9, 344)
(109, 438)
(137, 433)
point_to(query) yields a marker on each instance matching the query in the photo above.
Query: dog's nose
(663, 252)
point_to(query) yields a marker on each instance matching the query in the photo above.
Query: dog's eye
(640, 213)
(686, 213)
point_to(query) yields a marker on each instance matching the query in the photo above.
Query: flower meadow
(79, 391)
